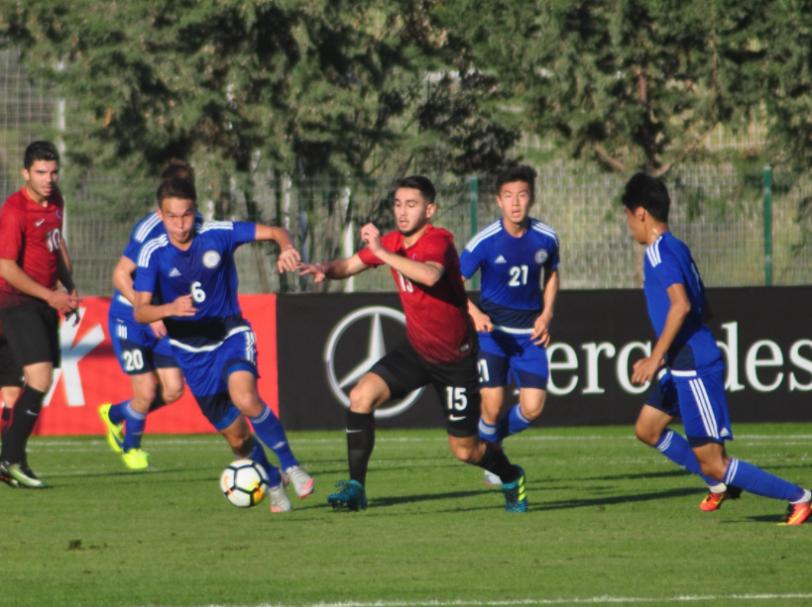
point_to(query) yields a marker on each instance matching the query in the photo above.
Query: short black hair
(520, 173)
(177, 188)
(39, 150)
(645, 191)
(177, 168)
(422, 183)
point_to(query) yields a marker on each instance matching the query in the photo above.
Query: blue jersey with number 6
(668, 262)
(510, 270)
(206, 271)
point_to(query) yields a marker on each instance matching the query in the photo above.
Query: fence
(717, 210)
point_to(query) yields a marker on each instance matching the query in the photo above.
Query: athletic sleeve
(552, 259)
(244, 232)
(12, 228)
(147, 274)
(668, 271)
(133, 248)
(470, 261)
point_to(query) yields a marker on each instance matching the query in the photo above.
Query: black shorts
(457, 385)
(32, 331)
(11, 374)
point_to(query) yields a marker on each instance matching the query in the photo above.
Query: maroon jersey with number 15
(437, 322)
(30, 234)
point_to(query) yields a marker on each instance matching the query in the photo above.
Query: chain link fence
(716, 209)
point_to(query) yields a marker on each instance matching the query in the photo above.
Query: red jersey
(437, 322)
(31, 235)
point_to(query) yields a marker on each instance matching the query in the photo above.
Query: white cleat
(302, 482)
(492, 480)
(279, 499)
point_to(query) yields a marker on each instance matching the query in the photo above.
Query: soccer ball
(244, 483)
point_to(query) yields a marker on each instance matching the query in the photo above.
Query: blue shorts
(699, 400)
(502, 355)
(207, 372)
(137, 349)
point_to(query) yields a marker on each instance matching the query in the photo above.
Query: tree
(632, 84)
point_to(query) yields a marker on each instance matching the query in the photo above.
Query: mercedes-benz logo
(376, 349)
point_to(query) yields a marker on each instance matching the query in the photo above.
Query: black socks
(26, 414)
(360, 443)
(494, 460)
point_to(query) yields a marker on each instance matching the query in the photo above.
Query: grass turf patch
(609, 517)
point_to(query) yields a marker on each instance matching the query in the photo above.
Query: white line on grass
(595, 600)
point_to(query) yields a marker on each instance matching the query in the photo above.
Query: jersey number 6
(198, 294)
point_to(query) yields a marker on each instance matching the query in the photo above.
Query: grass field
(610, 521)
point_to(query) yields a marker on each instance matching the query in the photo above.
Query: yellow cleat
(135, 459)
(115, 433)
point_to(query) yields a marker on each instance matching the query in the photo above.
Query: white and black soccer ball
(244, 483)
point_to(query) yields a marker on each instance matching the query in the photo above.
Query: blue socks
(271, 432)
(676, 448)
(258, 455)
(133, 427)
(117, 412)
(512, 423)
(755, 480)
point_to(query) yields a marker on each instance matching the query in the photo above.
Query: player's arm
(123, 281)
(426, 273)
(334, 270)
(146, 313)
(17, 278)
(644, 370)
(63, 268)
(288, 257)
(541, 328)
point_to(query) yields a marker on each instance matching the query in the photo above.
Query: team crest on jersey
(211, 259)
(541, 256)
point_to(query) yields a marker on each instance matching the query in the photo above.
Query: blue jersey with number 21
(206, 271)
(510, 269)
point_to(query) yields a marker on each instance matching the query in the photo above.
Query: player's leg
(458, 387)
(651, 428)
(32, 332)
(529, 366)
(246, 446)
(394, 376)
(704, 413)
(239, 369)
(493, 365)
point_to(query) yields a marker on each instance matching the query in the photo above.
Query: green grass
(609, 517)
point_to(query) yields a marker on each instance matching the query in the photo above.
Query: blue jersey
(510, 269)
(668, 262)
(207, 272)
(148, 228)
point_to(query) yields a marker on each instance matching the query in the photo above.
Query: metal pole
(473, 200)
(768, 226)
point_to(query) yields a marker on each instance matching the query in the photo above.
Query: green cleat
(352, 496)
(25, 477)
(115, 433)
(516, 493)
(6, 477)
(135, 459)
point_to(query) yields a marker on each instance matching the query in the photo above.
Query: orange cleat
(798, 513)
(714, 500)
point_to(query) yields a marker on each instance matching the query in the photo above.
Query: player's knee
(171, 394)
(465, 454)
(715, 469)
(646, 433)
(360, 400)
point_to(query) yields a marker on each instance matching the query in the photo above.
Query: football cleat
(798, 513)
(25, 477)
(352, 496)
(302, 482)
(516, 493)
(115, 432)
(6, 477)
(492, 480)
(279, 499)
(714, 500)
(135, 459)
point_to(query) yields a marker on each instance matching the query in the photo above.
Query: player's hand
(159, 328)
(318, 270)
(645, 370)
(183, 306)
(372, 237)
(482, 322)
(541, 331)
(288, 260)
(64, 302)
